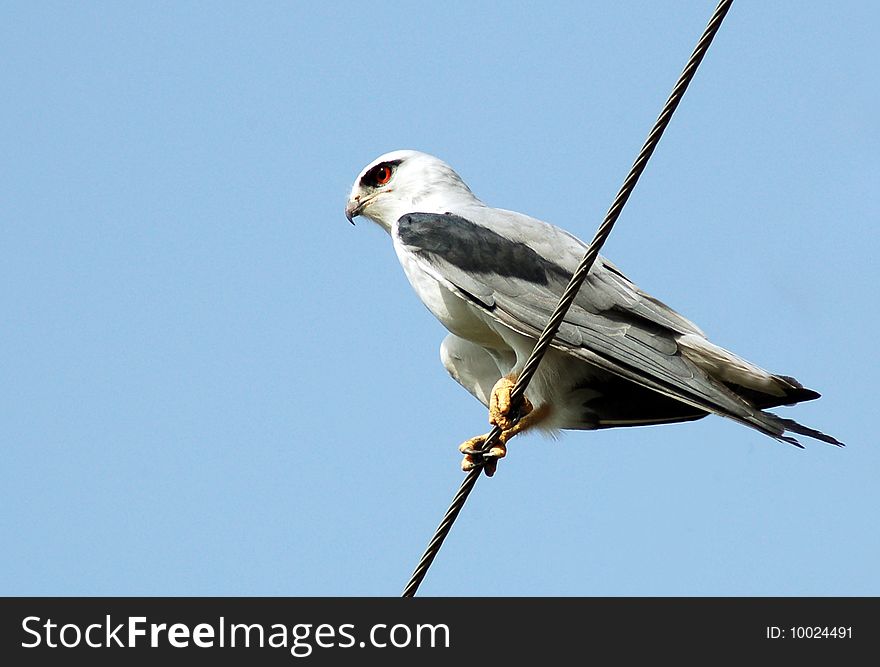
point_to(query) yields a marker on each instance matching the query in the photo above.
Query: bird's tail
(756, 388)
(794, 427)
(773, 425)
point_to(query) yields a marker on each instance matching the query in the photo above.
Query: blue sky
(214, 385)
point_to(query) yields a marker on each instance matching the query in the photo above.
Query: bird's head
(404, 182)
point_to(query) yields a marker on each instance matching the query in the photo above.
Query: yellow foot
(500, 405)
(475, 456)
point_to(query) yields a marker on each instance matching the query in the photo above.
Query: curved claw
(476, 456)
(489, 465)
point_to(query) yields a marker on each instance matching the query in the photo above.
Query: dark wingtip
(795, 427)
(796, 392)
(791, 441)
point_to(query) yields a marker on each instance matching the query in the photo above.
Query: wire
(577, 279)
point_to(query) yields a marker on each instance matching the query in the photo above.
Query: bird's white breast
(454, 311)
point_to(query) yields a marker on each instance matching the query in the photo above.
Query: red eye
(383, 174)
(378, 175)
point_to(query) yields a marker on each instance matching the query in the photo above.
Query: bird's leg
(501, 414)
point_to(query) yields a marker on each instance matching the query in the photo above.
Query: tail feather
(778, 427)
(795, 427)
(757, 387)
(790, 440)
(771, 424)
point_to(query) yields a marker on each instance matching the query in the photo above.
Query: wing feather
(611, 324)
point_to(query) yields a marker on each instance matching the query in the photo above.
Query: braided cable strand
(577, 279)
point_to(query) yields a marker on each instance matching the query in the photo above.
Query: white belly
(508, 349)
(455, 312)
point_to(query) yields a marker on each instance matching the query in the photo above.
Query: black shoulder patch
(474, 248)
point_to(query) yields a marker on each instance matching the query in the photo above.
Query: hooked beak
(353, 209)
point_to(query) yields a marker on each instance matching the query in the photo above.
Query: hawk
(493, 277)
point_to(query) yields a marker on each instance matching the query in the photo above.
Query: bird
(492, 277)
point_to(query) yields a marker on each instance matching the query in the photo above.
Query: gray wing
(515, 268)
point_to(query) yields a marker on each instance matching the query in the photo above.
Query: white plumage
(492, 277)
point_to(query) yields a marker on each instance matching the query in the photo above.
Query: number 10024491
(820, 632)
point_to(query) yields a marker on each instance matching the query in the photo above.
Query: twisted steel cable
(577, 279)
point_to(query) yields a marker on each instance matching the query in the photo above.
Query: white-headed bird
(493, 277)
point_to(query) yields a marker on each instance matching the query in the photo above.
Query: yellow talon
(472, 448)
(500, 404)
